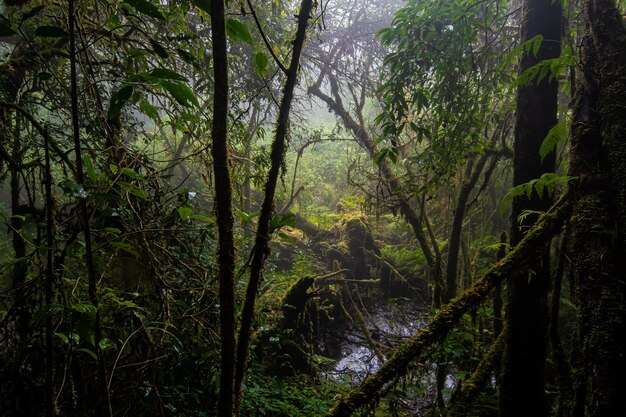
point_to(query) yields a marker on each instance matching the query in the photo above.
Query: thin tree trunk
(103, 401)
(522, 381)
(467, 186)
(261, 244)
(49, 401)
(559, 358)
(223, 208)
(463, 400)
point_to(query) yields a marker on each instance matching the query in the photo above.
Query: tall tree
(224, 211)
(598, 226)
(522, 382)
(263, 233)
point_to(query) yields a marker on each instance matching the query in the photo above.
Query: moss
(512, 266)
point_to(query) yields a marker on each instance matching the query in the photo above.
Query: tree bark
(261, 244)
(598, 227)
(522, 380)
(223, 208)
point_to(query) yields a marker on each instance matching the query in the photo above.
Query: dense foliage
(297, 208)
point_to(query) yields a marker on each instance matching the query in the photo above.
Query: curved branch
(42, 131)
(265, 40)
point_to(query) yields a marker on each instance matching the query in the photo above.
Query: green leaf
(134, 190)
(203, 218)
(43, 76)
(149, 110)
(184, 212)
(181, 93)
(6, 31)
(158, 49)
(112, 230)
(50, 32)
(534, 44)
(187, 57)
(126, 247)
(89, 168)
(147, 8)
(237, 30)
(84, 308)
(32, 12)
(166, 74)
(63, 337)
(188, 117)
(556, 136)
(129, 172)
(391, 153)
(89, 352)
(261, 64)
(245, 217)
(281, 220)
(105, 343)
(286, 238)
(118, 99)
(380, 156)
(204, 5)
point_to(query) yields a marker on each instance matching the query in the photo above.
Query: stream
(390, 325)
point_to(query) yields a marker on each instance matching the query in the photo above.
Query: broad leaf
(33, 12)
(134, 190)
(118, 99)
(237, 30)
(281, 220)
(158, 49)
(202, 218)
(261, 64)
(184, 212)
(166, 74)
(181, 93)
(147, 8)
(149, 110)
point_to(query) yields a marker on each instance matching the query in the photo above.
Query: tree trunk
(522, 381)
(261, 244)
(103, 402)
(223, 208)
(598, 235)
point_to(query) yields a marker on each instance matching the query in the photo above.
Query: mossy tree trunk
(260, 250)
(223, 207)
(522, 381)
(598, 234)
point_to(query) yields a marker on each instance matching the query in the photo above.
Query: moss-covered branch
(513, 265)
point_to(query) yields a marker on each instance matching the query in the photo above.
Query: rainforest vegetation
(313, 208)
